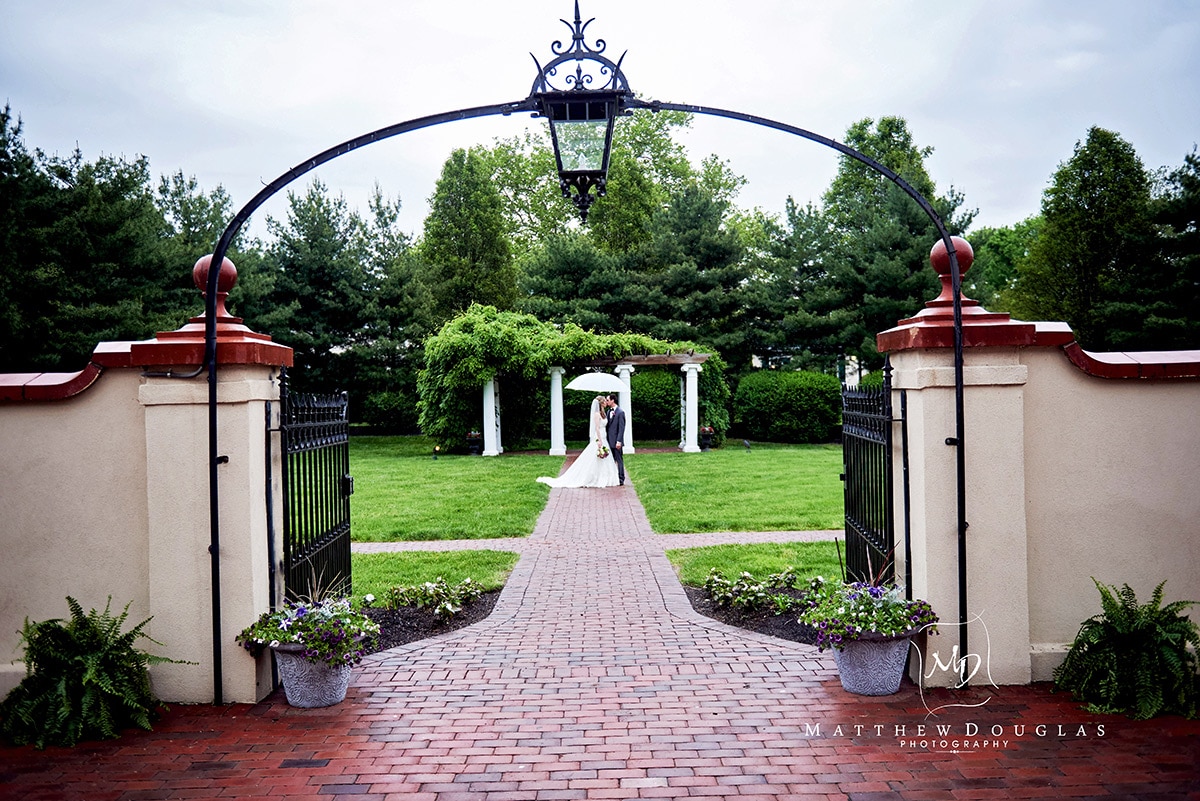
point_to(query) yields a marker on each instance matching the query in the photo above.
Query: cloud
(237, 93)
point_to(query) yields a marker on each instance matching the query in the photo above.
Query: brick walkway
(594, 678)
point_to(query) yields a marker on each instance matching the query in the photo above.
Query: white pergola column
(682, 411)
(558, 442)
(625, 398)
(691, 407)
(491, 421)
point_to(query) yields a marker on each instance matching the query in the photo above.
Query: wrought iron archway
(625, 102)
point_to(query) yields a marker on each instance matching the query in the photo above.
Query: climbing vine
(484, 343)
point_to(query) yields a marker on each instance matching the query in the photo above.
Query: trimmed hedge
(656, 404)
(788, 406)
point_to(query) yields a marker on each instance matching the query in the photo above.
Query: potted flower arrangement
(706, 437)
(868, 626)
(315, 645)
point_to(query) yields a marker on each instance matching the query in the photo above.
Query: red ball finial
(225, 279)
(939, 257)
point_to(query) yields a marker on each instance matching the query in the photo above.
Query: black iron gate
(867, 473)
(315, 436)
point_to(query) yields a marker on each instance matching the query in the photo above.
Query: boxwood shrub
(788, 406)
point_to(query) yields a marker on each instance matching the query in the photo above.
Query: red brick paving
(595, 679)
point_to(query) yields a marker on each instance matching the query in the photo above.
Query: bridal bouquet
(601, 449)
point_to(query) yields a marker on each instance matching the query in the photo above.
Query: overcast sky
(236, 92)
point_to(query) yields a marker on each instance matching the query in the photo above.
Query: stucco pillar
(491, 423)
(997, 556)
(178, 496)
(558, 442)
(997, 578)
(625, 398)
(691, 407)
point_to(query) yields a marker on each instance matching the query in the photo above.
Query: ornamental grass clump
(845, 612)
(330, 631)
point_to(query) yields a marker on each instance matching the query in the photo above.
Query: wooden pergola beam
(653, 360)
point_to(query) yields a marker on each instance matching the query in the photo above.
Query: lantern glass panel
(581, 145)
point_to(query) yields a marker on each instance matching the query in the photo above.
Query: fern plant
(1133, 658)
(84, 679)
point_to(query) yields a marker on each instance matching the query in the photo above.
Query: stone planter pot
(310, 684)
(873, 665)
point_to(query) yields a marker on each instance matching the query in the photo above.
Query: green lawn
(403, 494)
(374, 573)
(766, 488)
(760, 560)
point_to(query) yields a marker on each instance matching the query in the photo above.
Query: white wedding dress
(589, 469)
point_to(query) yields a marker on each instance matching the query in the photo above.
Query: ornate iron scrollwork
(581, 106)
(607, 75)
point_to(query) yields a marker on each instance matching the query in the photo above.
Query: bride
(593, 467)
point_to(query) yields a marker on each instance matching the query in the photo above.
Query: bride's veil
(592, 414)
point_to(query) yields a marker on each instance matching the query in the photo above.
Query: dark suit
(616, 433)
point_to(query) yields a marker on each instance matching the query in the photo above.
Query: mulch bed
(409, 624)
(784, 626)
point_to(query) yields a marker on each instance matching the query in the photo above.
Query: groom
(616, 434)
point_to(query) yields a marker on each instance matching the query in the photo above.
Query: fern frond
(1133, 658)
(84, 679)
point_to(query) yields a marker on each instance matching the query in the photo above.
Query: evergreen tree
(92, 265)
(1171, 288)
(875, 270)
(1094, 245)
(401, 317)
(319, 302)
(568, 280)
(686, 283)
(26, 198)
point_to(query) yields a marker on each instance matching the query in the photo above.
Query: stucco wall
(73, 511)
(1112, 476)
(1068, 476)
(107, 492)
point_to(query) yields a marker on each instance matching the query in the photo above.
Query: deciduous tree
(465, 245)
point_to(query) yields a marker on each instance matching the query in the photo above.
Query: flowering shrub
(330, 631)
(444, 599)
(843, 613)
(750, 595)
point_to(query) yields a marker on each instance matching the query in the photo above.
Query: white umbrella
(597, 382)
